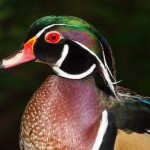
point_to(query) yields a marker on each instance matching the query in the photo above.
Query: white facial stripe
(50, 26)
(74, 76)
(40, 32)
(104, 70)
(63, 56)
(101, 131)
(106, 64)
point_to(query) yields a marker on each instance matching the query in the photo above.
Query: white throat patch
(60, 72)
(63, 55)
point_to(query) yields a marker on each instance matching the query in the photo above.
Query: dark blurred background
(125, 24)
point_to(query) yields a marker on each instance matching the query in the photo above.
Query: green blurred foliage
(125, 24)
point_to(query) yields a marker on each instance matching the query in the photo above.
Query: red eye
(53, 37)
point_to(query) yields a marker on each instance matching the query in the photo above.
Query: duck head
(70, 46)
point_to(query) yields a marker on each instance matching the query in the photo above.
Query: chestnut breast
(62, 114)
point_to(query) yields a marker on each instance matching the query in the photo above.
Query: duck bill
(23, 55)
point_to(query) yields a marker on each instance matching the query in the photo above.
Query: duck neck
(65, 111)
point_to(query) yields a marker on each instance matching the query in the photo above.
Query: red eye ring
(53, 37)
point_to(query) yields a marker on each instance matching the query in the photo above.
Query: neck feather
(63, 113)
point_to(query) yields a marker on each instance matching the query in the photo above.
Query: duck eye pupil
(53, 37)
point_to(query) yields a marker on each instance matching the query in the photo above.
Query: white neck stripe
(63, 55)
(74, 76)
(101, 131)
(104, 70)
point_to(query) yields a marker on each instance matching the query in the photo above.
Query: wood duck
(70, 110)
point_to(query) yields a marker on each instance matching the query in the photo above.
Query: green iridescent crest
(73, 24)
